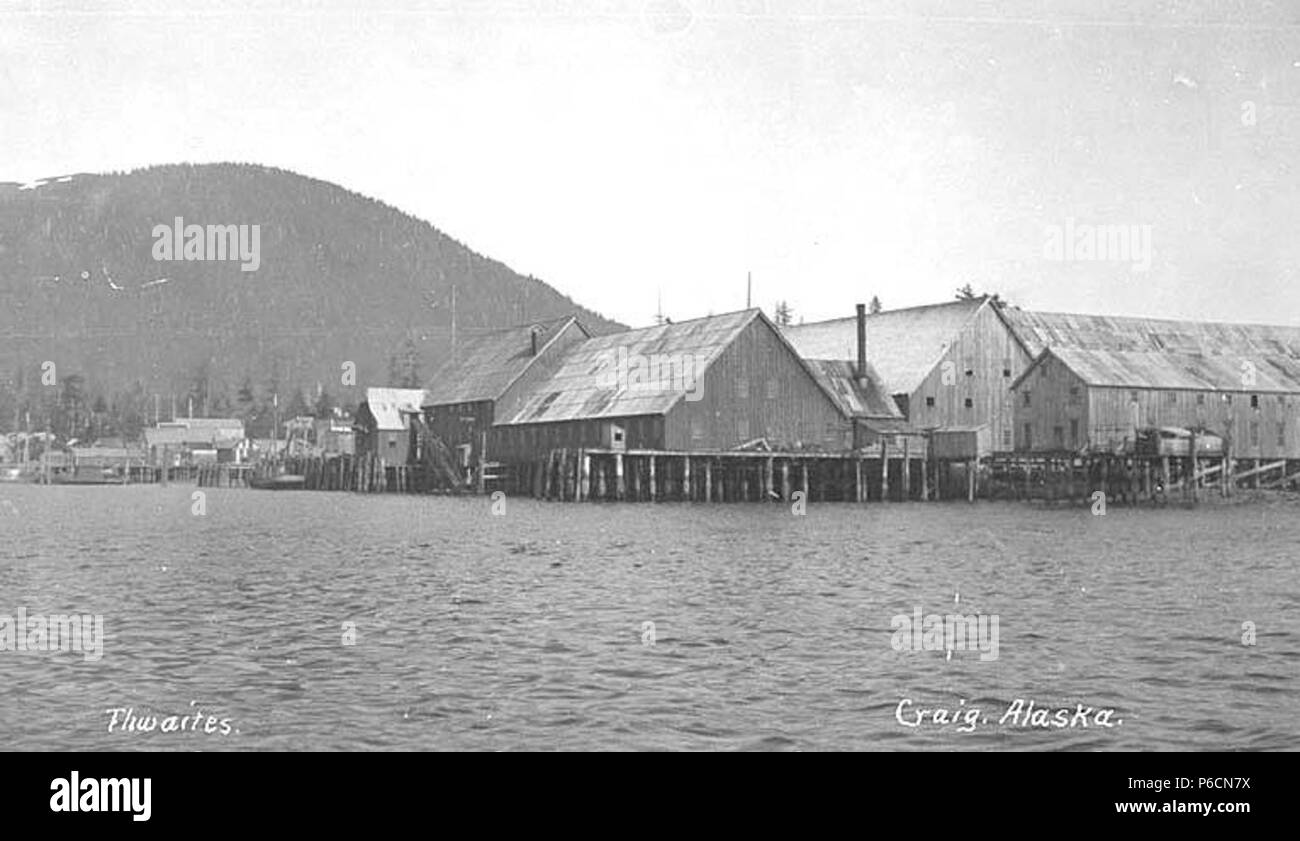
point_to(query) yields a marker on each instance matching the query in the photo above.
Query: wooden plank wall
(757, 388)
(987, 349)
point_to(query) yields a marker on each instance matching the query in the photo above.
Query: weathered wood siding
(757, 388)
(1257, 425)
(970, 384)
(526, 442)
(456, 424)
(547, 362)
(1052, 410)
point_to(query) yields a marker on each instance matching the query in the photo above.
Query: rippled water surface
(527, 631)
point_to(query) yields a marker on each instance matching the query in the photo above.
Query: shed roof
(856, 400)
(387, 405)
(1177, 370)
(176, 436)
(485, 365)
(208, 423)
(902, 345)
(1040, 330)
(586, 386)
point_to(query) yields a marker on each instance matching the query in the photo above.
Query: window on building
(1227, 398)
(929, 402)
(969, 403)
(1254, 401)
(1281, 433)
(1200, 400)
(1027, 438)
(1006, 368)
(1006, 437)
(1074, 432)
(1254, 433)
(1074, 391)
(742, 389)
(392, 444)
(1171, 397)
(697, 429)
(1133, 397)
(1026, 394)
(970, 372)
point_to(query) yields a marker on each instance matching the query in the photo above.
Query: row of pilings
(578, 475)
(360, 473)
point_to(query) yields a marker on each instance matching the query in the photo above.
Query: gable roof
(1041, 330)
(205, 423)
(387, 405)
(581, 389)
(1174, 370)
(837, 377)
(487, 364)
(903, 346)
(198, 436)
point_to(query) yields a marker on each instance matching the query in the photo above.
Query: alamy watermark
(946, 632)
(1102, 243)
(660, 373)
(179, 241)
(38, 633)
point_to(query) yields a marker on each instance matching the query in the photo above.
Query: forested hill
(340, 278)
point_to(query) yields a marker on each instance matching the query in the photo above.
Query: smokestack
(862, 345)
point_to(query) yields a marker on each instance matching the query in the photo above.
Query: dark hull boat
(282, 482)
(88, 476)
(15, 474)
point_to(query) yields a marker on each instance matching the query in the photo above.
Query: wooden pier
(581, 475)
(604, 475)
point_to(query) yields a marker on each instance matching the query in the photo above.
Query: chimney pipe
(533, 335)
(862, 344)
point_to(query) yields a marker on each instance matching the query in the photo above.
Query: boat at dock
(277, 478)
(15, 473)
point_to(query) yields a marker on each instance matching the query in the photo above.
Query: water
(526, 631)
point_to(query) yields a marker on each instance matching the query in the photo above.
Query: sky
(634, 152)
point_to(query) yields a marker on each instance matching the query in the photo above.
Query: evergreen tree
(324, 407)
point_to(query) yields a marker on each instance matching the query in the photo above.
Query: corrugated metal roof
(837, 377)
(585, 387)
(387, 405)
(210, 423)
(485, 365)
(1040, 330)
(902, 345)
(1178, 370)
(176, 436)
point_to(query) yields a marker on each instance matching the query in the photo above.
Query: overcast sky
(623, 150)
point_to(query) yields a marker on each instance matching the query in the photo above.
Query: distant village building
(383, 423)
(715, 383)
(334, 435)
(1097, 380)
(489, 377)
(195, 441)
